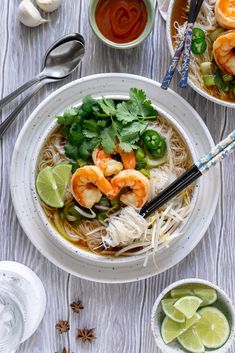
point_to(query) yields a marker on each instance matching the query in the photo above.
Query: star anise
(62, 326)
(64, 350)
(77, 306)
(86, 334)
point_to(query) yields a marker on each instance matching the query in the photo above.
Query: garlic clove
(48, 5)
(29, 15)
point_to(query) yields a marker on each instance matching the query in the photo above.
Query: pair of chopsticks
(216, 155)
(183, 45)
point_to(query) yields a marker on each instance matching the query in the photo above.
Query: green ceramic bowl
(132, 44)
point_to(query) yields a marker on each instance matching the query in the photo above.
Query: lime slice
(47, 188)
(188, 305)
(62, 175)
(171, 311)
(181, 292)
(171, 329)
(213, 327)
(191, 341)
(208, 295)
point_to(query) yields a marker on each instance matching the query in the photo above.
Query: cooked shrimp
(128, 158)
(223, 52)
(105, 162)
(88, 184)
(110, 166)
(225, 13)
(134, 180)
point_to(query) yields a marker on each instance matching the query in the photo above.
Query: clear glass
(11, 317)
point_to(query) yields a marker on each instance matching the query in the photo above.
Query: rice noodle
(128, 226)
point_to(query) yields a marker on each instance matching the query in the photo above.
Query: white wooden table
(120, 313)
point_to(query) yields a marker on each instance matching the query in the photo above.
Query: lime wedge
(62, 175)
(47, 188)
(181, 292)
(188, 305)
(191, 341)
(208, 295)
(213, 327)
(171, 311)
(171, 329)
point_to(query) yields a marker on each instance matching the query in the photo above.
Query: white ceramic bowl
(128, 45)
(223, 303)
(199, 90)
(32, 217)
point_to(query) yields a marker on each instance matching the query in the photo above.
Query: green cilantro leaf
(83, 150)
(70, 116)
(61, 119)
(128, 147)
(132, 131)
(145, 108)
(108, 139)
(90, 125)
(89, 134)
(102, 123)
(94, 143)
(108, 106)
(136, 108)
(71, 151)
(126, 113)
(87, 107)
(76, 137)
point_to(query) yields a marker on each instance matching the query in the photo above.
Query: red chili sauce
(121, 21)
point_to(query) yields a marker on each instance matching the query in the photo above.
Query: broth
(52, 154)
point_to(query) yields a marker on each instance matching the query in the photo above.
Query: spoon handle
(9, 120)
(21, 89)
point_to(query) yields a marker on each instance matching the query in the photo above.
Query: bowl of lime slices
(193, 315)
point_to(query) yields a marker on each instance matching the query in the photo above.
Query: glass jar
(22, 304)
(11, 319)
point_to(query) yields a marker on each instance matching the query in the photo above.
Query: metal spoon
(60, 60)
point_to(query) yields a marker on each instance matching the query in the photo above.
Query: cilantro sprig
(104, 123)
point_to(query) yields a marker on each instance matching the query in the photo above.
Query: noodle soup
(111, 226)
(211, 68)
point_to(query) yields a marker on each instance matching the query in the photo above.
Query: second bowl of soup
(212, 65)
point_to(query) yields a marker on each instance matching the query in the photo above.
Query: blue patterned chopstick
(217, 154)
(184, 42)
(173, 64)
(186, 57)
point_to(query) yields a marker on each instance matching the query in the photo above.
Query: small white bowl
(134, 43)
(199, 90)
(223, 302)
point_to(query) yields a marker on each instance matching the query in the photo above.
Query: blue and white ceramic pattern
(186, 57)
(217, 154)
(174, 62)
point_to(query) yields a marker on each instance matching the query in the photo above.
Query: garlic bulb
(48, 5)
(29, 15)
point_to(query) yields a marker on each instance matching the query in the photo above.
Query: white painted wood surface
(120, 313)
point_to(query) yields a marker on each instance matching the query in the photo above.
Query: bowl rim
(190, 82)
(158, 339)
(79, 251)
(134, 43)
